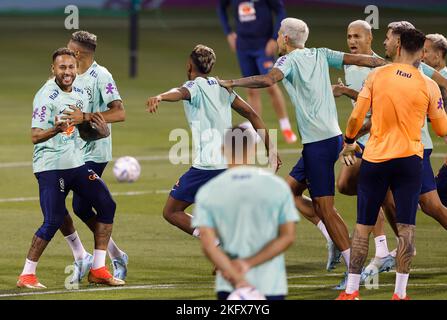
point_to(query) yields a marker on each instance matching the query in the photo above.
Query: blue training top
(254, 21)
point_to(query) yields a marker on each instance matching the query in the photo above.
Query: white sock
(113, 250)
(346, 256)
(76, 246)
(401, 284)
(284, 123)
(353, 283)
(381, 246)
(99, 258)
(30, 267)
(196, 233)
(322, 227)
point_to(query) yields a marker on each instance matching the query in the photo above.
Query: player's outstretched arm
(261, 81)
(39, 135)
(363, 60)
(175, 94)
(439, 79)
(246, 111)
(219, 258)
(273, 248)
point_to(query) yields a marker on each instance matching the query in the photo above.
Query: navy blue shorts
(81, 207)
(403, 176)
(254, 62)
(358, 154)
(223, 295)
(428, 177)
(187, 186)
(316, 166)
(54, 186)
(441, 184)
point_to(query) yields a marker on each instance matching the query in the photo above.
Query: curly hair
(204, 58)
(85, 39)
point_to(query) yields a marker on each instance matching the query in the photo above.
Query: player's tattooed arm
(359, 252)
(365, 129)
(246, 111)
(439, 79)
(175, 94)
(405, 248)
(363, 60)
(444, 96)
(261, 81)
(39, 135)
(94, 129)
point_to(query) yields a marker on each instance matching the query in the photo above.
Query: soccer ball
(126, 169)
(246, 293)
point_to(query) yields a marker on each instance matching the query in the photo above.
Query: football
(246, 293)
(126, 169)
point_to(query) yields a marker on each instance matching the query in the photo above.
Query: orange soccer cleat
(396, 297)
(29, 281)
(349, 296)
(289, 136)
(103, 276)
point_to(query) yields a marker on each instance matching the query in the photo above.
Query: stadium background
(164, 262)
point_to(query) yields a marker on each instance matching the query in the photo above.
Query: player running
(435, 51)
(399, 97)
(208, 110)
(59, 167)
(104, 97)
(305, 74)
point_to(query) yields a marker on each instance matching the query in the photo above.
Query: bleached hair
(439, 42)
(362, 23)
(204, 58)
(296, 30)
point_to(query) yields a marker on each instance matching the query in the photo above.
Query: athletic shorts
(403, 176)
(428, 177)
(316, 166)
(441, 184)
(254, 62)
(187, 186)
(358, 154)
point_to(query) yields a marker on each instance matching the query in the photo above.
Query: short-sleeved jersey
(246, 206)
(101, 89)
(355, 77)
(443, 72)
(401, 98)
(307, 81)
(209, 114)
(425, 137)
(62, 151)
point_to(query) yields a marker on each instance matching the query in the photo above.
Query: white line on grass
(174, 286)
(297, 151)
(129, 193)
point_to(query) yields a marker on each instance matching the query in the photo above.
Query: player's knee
(106, 213)
(345, 187)
(167, 213)
(83, 211)
(49, 228)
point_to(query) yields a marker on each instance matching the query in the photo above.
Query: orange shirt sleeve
(436, 111)
(361, 108)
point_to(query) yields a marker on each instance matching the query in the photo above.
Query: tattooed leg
(102, 234)
(38, 245)
(405, 248)
(359, 248)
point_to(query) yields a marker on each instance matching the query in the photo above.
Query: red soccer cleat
(29, 281)
(396, 297)
(103, 276)
(289, 136)
(349, 296)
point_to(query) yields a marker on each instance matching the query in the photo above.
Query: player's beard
(63, 84)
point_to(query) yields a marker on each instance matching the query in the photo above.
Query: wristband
(349, 140)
